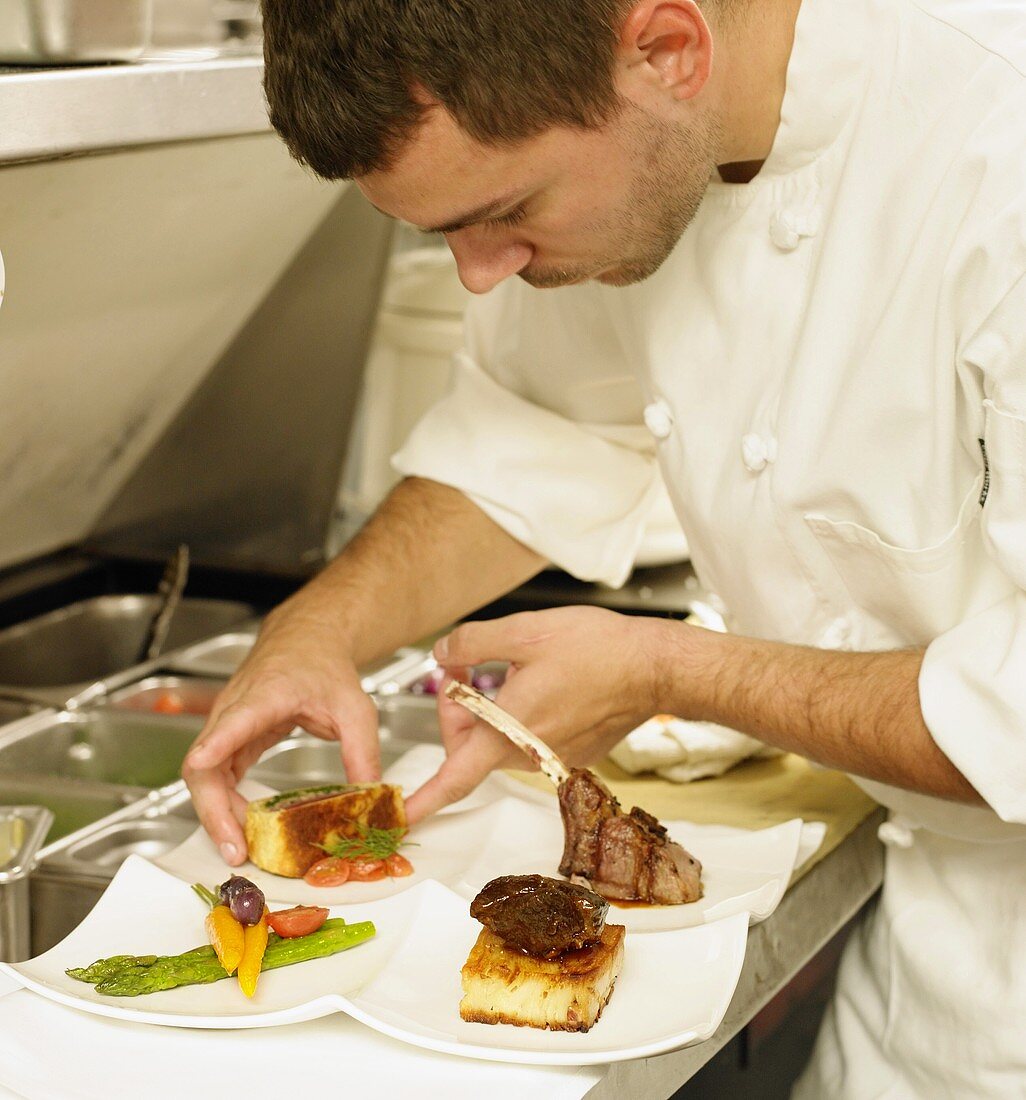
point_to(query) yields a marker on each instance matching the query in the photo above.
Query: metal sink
(62, 652)
(108, 746)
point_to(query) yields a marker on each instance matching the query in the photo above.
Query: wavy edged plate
(404, 983)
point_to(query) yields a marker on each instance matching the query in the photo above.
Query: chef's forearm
(858, 712)
(426, 557)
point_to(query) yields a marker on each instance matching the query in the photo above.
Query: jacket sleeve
(542, 428)
(973, 681)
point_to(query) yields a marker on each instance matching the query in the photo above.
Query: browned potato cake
(505, 986)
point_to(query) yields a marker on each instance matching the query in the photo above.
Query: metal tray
(60, 654)
(219, 656)
(61, 32)
(75, 804)
(107, 746)
(302, 760)
(103, 849)
(222, 655)
(168, 695)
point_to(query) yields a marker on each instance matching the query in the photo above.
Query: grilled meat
(622, 856)
(540, 916)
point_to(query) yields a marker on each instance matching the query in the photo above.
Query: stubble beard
(662, 202)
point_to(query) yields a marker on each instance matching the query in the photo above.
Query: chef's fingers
(464, 768)
(361, 747)
(454, 721)
(511, 638)
(212, 797)
(235, 726)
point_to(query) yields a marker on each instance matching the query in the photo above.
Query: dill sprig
(372, 843)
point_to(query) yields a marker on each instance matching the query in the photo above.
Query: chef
(776, 251)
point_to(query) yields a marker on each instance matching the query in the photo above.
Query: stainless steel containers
(60, 32)
(22, 829)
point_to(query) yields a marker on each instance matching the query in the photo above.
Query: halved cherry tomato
(300, 920)
(366, 870)
(397, 866)
(329, 871)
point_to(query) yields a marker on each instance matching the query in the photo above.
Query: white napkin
(680, 751)
(50, 1051)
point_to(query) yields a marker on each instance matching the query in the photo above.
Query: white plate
(441, 848)
(147, 911)
(743, 871)
(674, 988)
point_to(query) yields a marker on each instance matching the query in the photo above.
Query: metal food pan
(75, 804)
(11, 711)
(303, 761)
(222, 655)
(64, 32)
(193, 695)
(70, 649)
(219, 656)
(103, 849)
(104, 745)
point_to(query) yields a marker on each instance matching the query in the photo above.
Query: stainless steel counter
(62, 112)
(810, 914)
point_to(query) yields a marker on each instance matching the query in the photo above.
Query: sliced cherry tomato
(367, 870)
(397, 866)
(329, 871)
(300, 920)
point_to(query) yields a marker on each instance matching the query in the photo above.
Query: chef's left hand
(579, 677)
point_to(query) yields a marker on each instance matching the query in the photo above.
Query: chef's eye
(512, 218)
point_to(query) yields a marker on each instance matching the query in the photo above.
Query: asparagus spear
(105, 968)
(130, 976)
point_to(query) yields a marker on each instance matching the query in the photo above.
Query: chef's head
(560, 140)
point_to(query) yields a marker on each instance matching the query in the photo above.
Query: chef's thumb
(463, 770)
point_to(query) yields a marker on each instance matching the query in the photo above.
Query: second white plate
(674, 988)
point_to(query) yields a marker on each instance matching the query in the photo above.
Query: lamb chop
(623, 856)
(540, 916)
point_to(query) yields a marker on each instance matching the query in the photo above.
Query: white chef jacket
(830, 370)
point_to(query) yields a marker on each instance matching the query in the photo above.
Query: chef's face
(563, 207)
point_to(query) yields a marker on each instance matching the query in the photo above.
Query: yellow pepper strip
(253, 955)
(226, 936)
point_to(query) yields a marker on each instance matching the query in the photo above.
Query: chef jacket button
(783, 232)
(659, 419)
(836, 635)
(756, 452)
(896, 833)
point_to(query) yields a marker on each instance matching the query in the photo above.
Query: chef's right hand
(299, 673)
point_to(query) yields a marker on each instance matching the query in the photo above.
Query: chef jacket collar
(829, 69)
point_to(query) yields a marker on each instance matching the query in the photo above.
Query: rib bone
(504, 722)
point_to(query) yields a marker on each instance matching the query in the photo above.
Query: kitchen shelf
(60, 112)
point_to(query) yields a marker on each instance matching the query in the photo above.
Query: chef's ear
(664, 46)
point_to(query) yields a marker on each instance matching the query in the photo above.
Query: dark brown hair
(341, 75)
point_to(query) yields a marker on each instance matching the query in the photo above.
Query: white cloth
(830, 370)
(680, 751)
(101, 1059)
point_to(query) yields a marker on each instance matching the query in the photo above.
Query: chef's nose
(482, 263)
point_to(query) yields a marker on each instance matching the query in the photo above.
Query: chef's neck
(753, 40)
